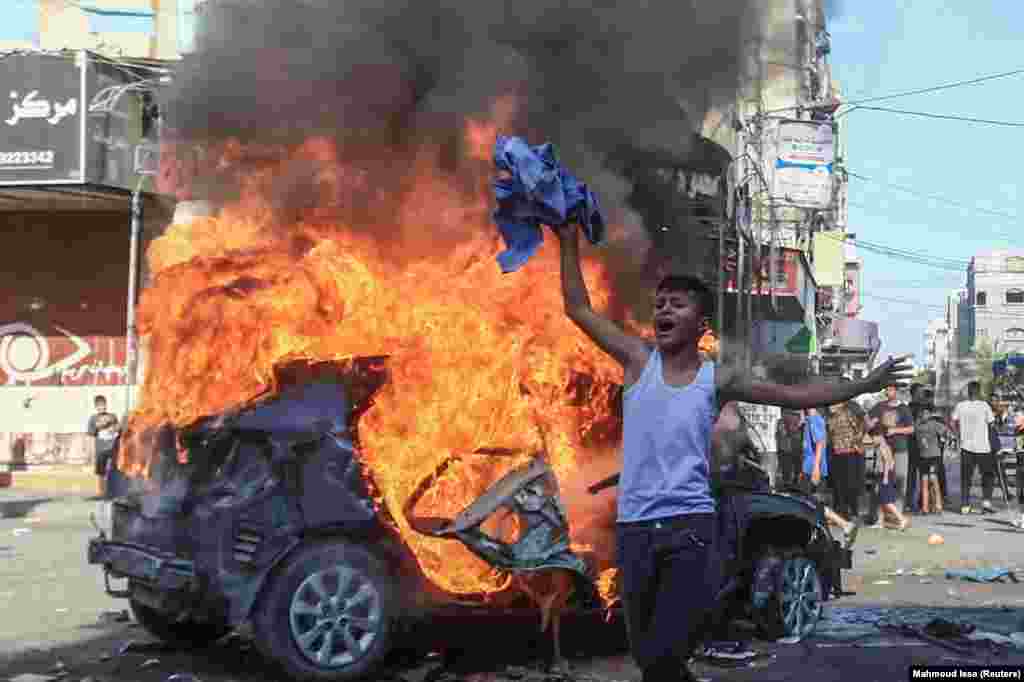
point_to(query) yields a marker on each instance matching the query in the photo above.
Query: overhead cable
(946, 117)
(933, 197)
(936, 88)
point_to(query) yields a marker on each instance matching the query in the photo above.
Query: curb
(64, 481)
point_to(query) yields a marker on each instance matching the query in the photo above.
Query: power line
(907, 301)
(979, 313)
(934, 197)
(945, 117)
(936, 88)
(939, 262)
(908, 93)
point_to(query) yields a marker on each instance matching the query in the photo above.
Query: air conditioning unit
(147, 158)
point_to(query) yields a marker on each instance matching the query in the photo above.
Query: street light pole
(131, 336)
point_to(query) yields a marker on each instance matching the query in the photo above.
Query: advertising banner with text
(802, 172)
(41, 118)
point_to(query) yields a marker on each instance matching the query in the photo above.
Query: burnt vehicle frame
(272, 522)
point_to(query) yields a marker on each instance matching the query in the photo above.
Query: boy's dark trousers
(941, 464)
(670, 575)
(847, 477)
(913, 465)
(968, 462)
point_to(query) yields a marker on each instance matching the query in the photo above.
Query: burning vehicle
(264, 514)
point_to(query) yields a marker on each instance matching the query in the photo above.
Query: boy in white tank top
(666, 525)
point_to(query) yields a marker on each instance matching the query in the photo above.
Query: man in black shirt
(103, 427)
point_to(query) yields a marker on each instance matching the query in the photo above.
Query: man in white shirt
(971, 419)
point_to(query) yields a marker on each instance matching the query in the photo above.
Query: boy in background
(930, 433)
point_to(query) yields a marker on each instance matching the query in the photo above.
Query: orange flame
(477, 358)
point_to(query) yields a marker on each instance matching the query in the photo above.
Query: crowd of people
(896, 452)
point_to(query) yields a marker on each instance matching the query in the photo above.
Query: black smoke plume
(620, 87)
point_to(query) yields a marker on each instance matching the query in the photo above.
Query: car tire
(328, 613)
(184, 635)
(794, 607)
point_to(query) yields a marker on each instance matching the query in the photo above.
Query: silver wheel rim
(801, 597)
(335, 616)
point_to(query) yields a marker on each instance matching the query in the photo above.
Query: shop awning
(803, 342)
(1000, 366)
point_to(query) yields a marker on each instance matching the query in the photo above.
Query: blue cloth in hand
(537, 191)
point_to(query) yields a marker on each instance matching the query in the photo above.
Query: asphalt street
(58, 622)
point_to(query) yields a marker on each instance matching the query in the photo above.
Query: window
(1014, 334)
(188, 11)
(981, 298)
(1015, 296)
(1015, 264)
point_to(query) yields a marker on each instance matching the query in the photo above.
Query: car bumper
(127, 560)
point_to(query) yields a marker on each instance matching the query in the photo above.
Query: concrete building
(936, 344)
(64, 279)
(989, 311)
(138, 29)
(995, 286)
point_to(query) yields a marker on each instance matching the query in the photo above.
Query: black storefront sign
(74, 118)
(41, 118)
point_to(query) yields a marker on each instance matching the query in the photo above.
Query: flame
(476, 358)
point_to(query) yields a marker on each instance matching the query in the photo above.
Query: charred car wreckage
(271, 522)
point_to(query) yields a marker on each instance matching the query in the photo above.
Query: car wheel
(184, 635)
(795, 606)
(328, 613)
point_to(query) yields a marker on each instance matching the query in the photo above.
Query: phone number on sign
(21, 158)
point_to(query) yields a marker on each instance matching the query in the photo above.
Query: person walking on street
(893, 421)
(887, 491)
(789, 443)
(816, 471)
(971, 419)
(846, 457)
(103, 427)
(930, 432)
(916, 407)
(666, 526)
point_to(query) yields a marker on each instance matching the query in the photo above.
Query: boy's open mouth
(664, 326)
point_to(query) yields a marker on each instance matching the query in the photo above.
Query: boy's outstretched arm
(630, 351)
(736, 384)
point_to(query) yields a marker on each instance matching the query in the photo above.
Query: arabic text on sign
(31, 107)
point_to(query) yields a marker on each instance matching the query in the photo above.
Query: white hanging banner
(802, 170)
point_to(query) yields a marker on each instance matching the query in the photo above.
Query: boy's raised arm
(630, 351)
(736, 384)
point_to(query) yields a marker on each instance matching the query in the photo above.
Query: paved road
(51, 603)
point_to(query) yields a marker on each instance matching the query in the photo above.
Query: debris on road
(126, 647)
(983, 575)
(21, 531)
(940, 627)
(1005, 640)
(732, 654)
(121, 616)
(149, 663)
(32, 677)
(183, 677)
